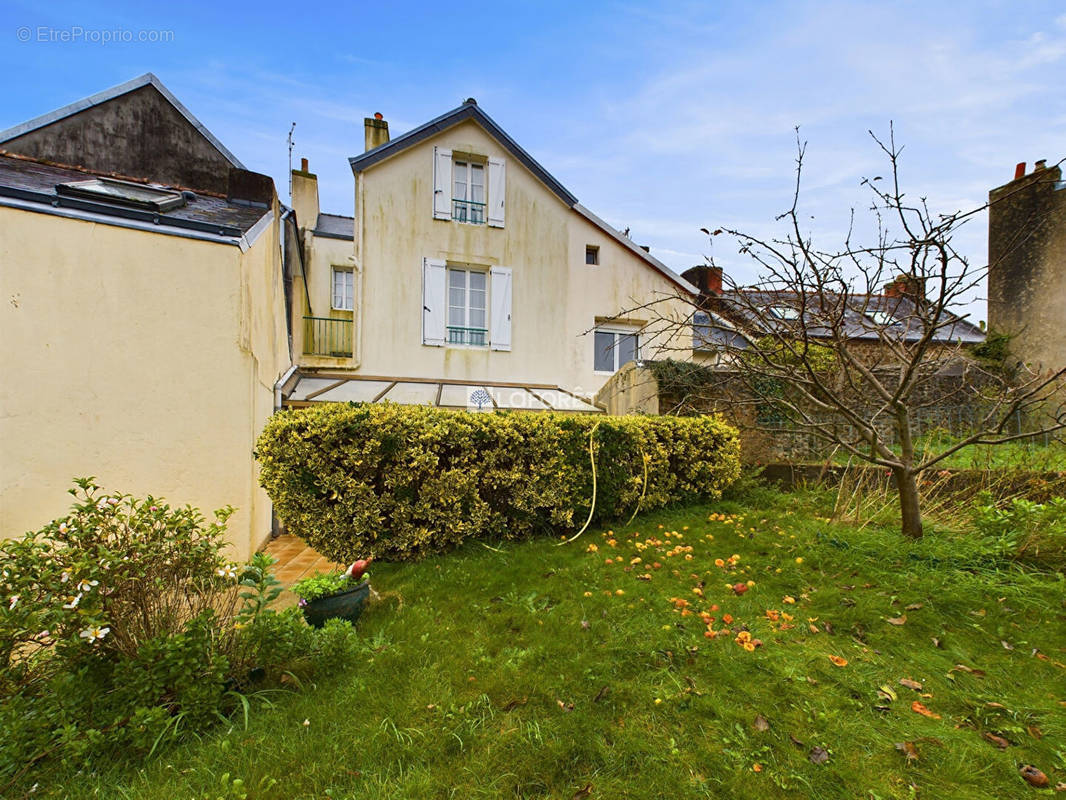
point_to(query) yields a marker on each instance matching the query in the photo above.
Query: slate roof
(335, 226)
(858, 324)
(28, 183)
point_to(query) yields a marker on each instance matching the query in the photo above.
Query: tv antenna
(290, 160)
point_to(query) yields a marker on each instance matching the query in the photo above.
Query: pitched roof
(32, 185)
(867, 316)
(335, 226)
(472, 111)
(468, 110)
(148, 79)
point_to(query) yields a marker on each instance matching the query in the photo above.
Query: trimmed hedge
(397, 482)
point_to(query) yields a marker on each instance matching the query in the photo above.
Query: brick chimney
(708, 280)
(906, 286)
(377, 131)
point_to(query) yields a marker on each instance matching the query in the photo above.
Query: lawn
(852, 664)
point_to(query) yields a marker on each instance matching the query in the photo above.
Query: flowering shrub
(123, 623)
(399, 482)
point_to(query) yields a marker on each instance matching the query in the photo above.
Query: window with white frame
(470, 188)
(343, 289)
(468, 192)
(467, 306)
(615, 346)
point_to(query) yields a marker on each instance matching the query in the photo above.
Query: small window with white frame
(615, 346)
(468, 192)
(343, 289)
(467, 307)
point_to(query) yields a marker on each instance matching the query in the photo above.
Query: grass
(542, 671)
(1030, 455)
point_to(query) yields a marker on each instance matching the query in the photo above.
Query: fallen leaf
(998, 741)
(1033, 776)
(760, 723)
(886, 692)
(910, 684)
(795, 741)
(1006, 645)
(1060, 787)
(914, 606)
(908, 749)
(513, 704)
(918, 708)
(814, 628)
(583, 792)
(936, 642)
(818, 755)
(839, 661)
(565, 706)
(602, 693)
(1035, 732)
(968, 670)
(897, 620)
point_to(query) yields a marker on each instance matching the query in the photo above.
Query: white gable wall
(555, 296)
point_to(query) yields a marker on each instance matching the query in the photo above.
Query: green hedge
(398, 482)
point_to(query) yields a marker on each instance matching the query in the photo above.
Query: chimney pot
(304, 166)
(1019, 171)
(1039, 165)
(377, 115)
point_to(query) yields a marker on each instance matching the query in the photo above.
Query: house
(1027, 265)
(144, 313)
(469, 274)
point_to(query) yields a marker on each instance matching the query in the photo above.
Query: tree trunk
(910, 510)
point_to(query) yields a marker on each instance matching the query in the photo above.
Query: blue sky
(660, 117)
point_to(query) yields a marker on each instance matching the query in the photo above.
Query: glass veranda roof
(306, 388)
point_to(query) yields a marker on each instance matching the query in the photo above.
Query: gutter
(280, 386)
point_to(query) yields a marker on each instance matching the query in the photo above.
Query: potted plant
(334, 594)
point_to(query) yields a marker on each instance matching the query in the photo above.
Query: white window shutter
(497, 191)
(434, 302)
(500, 319)
(442, 183)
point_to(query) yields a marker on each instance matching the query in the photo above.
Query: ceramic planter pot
(343, 605)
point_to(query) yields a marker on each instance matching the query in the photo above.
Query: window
(468, 192)
(343, 289)
(592, 254)
(785, 312)
(124, 193)
(467, 304)
(882, 317)
(614, 348)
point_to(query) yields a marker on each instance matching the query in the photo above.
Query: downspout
(359, 233)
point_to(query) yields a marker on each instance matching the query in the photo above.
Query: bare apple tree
(851, 345)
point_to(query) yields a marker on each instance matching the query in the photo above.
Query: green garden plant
(399, 482)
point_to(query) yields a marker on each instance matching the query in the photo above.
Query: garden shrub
(398, 482)
(1024, 531)
(123, 625)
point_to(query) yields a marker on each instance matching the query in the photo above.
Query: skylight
(882, 317)
(124, 193)
(785, 312)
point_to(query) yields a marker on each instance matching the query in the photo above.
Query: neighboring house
(1027, 265)
(468, 271)
(731, 318)
(143, 313)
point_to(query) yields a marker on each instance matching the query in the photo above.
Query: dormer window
(124, 193)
